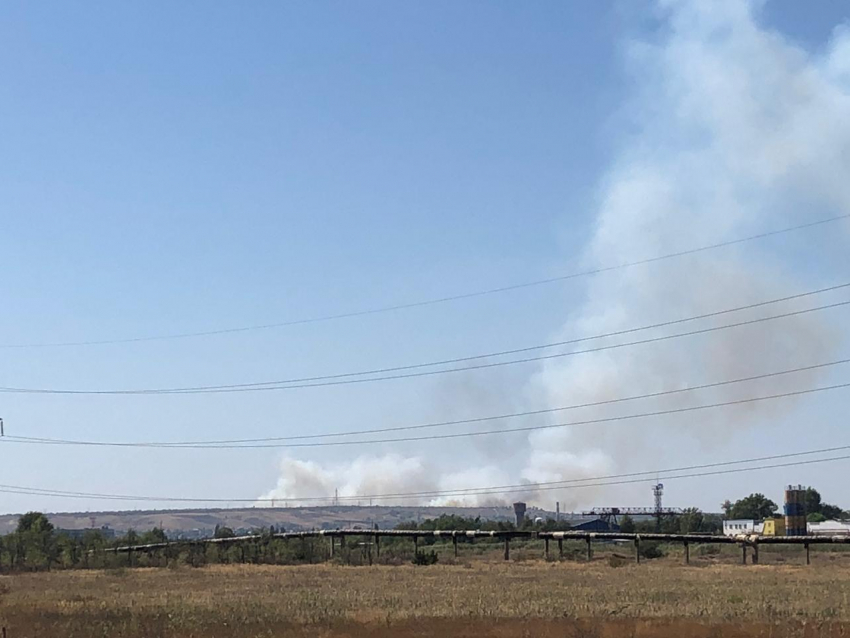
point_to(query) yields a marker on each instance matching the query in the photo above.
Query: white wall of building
(740, 526)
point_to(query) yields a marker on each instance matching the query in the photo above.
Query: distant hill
(202, 522)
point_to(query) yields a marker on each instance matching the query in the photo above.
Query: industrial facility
(793, 522)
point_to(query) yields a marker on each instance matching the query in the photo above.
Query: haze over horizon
(195, 168)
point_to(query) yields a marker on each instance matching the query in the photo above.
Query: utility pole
(2, 430)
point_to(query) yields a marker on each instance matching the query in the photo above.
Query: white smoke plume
(736, 130)
(355, 481)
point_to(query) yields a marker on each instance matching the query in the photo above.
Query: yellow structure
(774, 527)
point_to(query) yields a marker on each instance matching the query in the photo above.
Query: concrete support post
(589, 549)
(377, 545)
(332, 546)
(637, 549)
(560, 547)
(415, 545)
(454, 542)
(546, 548)
(507, 547)
(743, 554)
(755, 553)
(808, 556)
(687, 553)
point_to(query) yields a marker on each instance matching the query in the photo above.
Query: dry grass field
(479, 598)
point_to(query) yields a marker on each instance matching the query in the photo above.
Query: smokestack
(519, 510)
(558, 511)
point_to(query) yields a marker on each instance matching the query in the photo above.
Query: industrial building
(769, 527)
(774, 527)
(739, 526)
(596, 525)
(829, 528)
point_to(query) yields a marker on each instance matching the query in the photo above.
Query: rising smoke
(736, 130)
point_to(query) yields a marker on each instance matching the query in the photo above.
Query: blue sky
(170, 168)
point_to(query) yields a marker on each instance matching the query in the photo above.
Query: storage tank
(795, 511)
(519, 511)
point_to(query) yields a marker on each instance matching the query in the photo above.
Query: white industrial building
(748, 526)
(741, 526)
(829, 528)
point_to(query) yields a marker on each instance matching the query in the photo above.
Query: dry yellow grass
(478, 599)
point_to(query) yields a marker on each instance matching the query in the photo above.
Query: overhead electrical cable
(500, 353)
(240, 443)
(457, 435)
(599, 481)
(436, 300)
(332, 380)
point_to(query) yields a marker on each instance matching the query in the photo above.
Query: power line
(600, 481)
(296, 383)
(434, 301)
(443, 362)
(457, 435)
(240, 443)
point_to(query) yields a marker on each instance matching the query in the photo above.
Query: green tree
(223, 531)
(726, 506)
(812, 501)
(816, 517)
(754, 506)
(155, 535)
(34, 522)
(831, 512)
(551, 525)
(36, 540)
(712, 523)
(814, 505)
(627, 525)
(691, 520)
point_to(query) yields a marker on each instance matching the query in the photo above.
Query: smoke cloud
(736, 130)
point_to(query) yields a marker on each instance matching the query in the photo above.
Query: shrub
(425, 558)
(650, 550)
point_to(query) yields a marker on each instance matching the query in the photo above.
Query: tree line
(36, 544)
